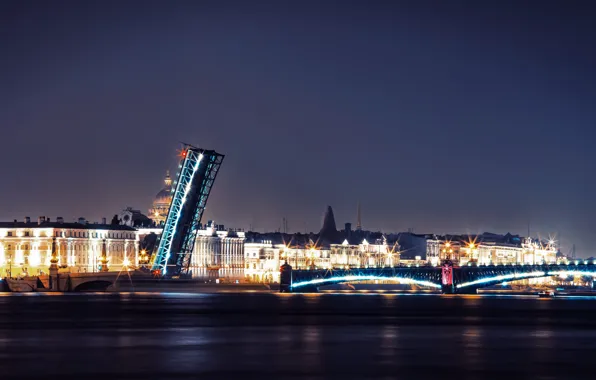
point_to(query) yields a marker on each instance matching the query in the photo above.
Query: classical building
(218, 253)
(329, 249)
(440, 249)
(365, 254)
(489, 248)
(263, 257)
(135, 218)
(262, 261)
(159, 212)
(26, 247)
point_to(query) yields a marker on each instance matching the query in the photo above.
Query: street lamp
(144, 261)
(471, 247)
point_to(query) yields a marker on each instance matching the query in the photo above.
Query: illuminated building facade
(488, 249)
(329, 249)
(218, 253)
(264, 258)
(535, 251)
(365, 255)
(262, 261)
(26, 247)
(159, 212)
(439, 250)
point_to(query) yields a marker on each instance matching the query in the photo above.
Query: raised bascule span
(197, 172)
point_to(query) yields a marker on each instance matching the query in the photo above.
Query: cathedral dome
(163, 197)
(161, 203)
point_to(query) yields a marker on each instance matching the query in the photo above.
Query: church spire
(328, 222)
(328, 231)
(358, 218)
(168, 180)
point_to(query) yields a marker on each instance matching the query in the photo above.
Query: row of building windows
(75, 247)
(95, 235)
(80, 234)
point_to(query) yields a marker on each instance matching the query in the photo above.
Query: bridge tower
(197, 171)
(285, 282)
(447, 285)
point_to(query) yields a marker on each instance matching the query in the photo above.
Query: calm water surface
(278, 336)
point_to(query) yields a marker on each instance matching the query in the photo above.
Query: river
(293, 336)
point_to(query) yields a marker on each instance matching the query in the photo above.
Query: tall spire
(328, 229)
(358, 219)
(328, 221)
(168, 179)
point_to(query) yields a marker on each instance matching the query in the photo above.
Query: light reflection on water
(363, 336)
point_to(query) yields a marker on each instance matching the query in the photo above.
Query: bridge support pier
(54, 277)
(447, 286)
(448, 289)
(285, 278)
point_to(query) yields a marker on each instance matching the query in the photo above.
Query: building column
(201, 258)
(127, 252)
(54, 279)
(3, 258)
(104, 256)
(69, 254)
(136, 247)
(237, 250)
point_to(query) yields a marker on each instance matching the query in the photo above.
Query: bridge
(198, 169)
(447, 278)
(62, 282)
(80, 282)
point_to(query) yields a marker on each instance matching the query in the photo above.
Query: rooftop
(74, 226)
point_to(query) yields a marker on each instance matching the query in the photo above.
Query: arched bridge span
(464, 279)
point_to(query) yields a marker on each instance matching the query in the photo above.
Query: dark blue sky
(442, 116)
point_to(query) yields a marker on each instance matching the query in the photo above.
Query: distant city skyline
(444, 117)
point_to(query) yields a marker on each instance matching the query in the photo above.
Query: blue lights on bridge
(521, 276)
(464, 279)
(567, 273)
(504, 277)
(190, 165)
(365, 278)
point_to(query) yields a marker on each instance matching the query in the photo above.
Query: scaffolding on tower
(196, 175)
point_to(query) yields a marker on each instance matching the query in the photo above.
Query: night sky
(441, 116)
